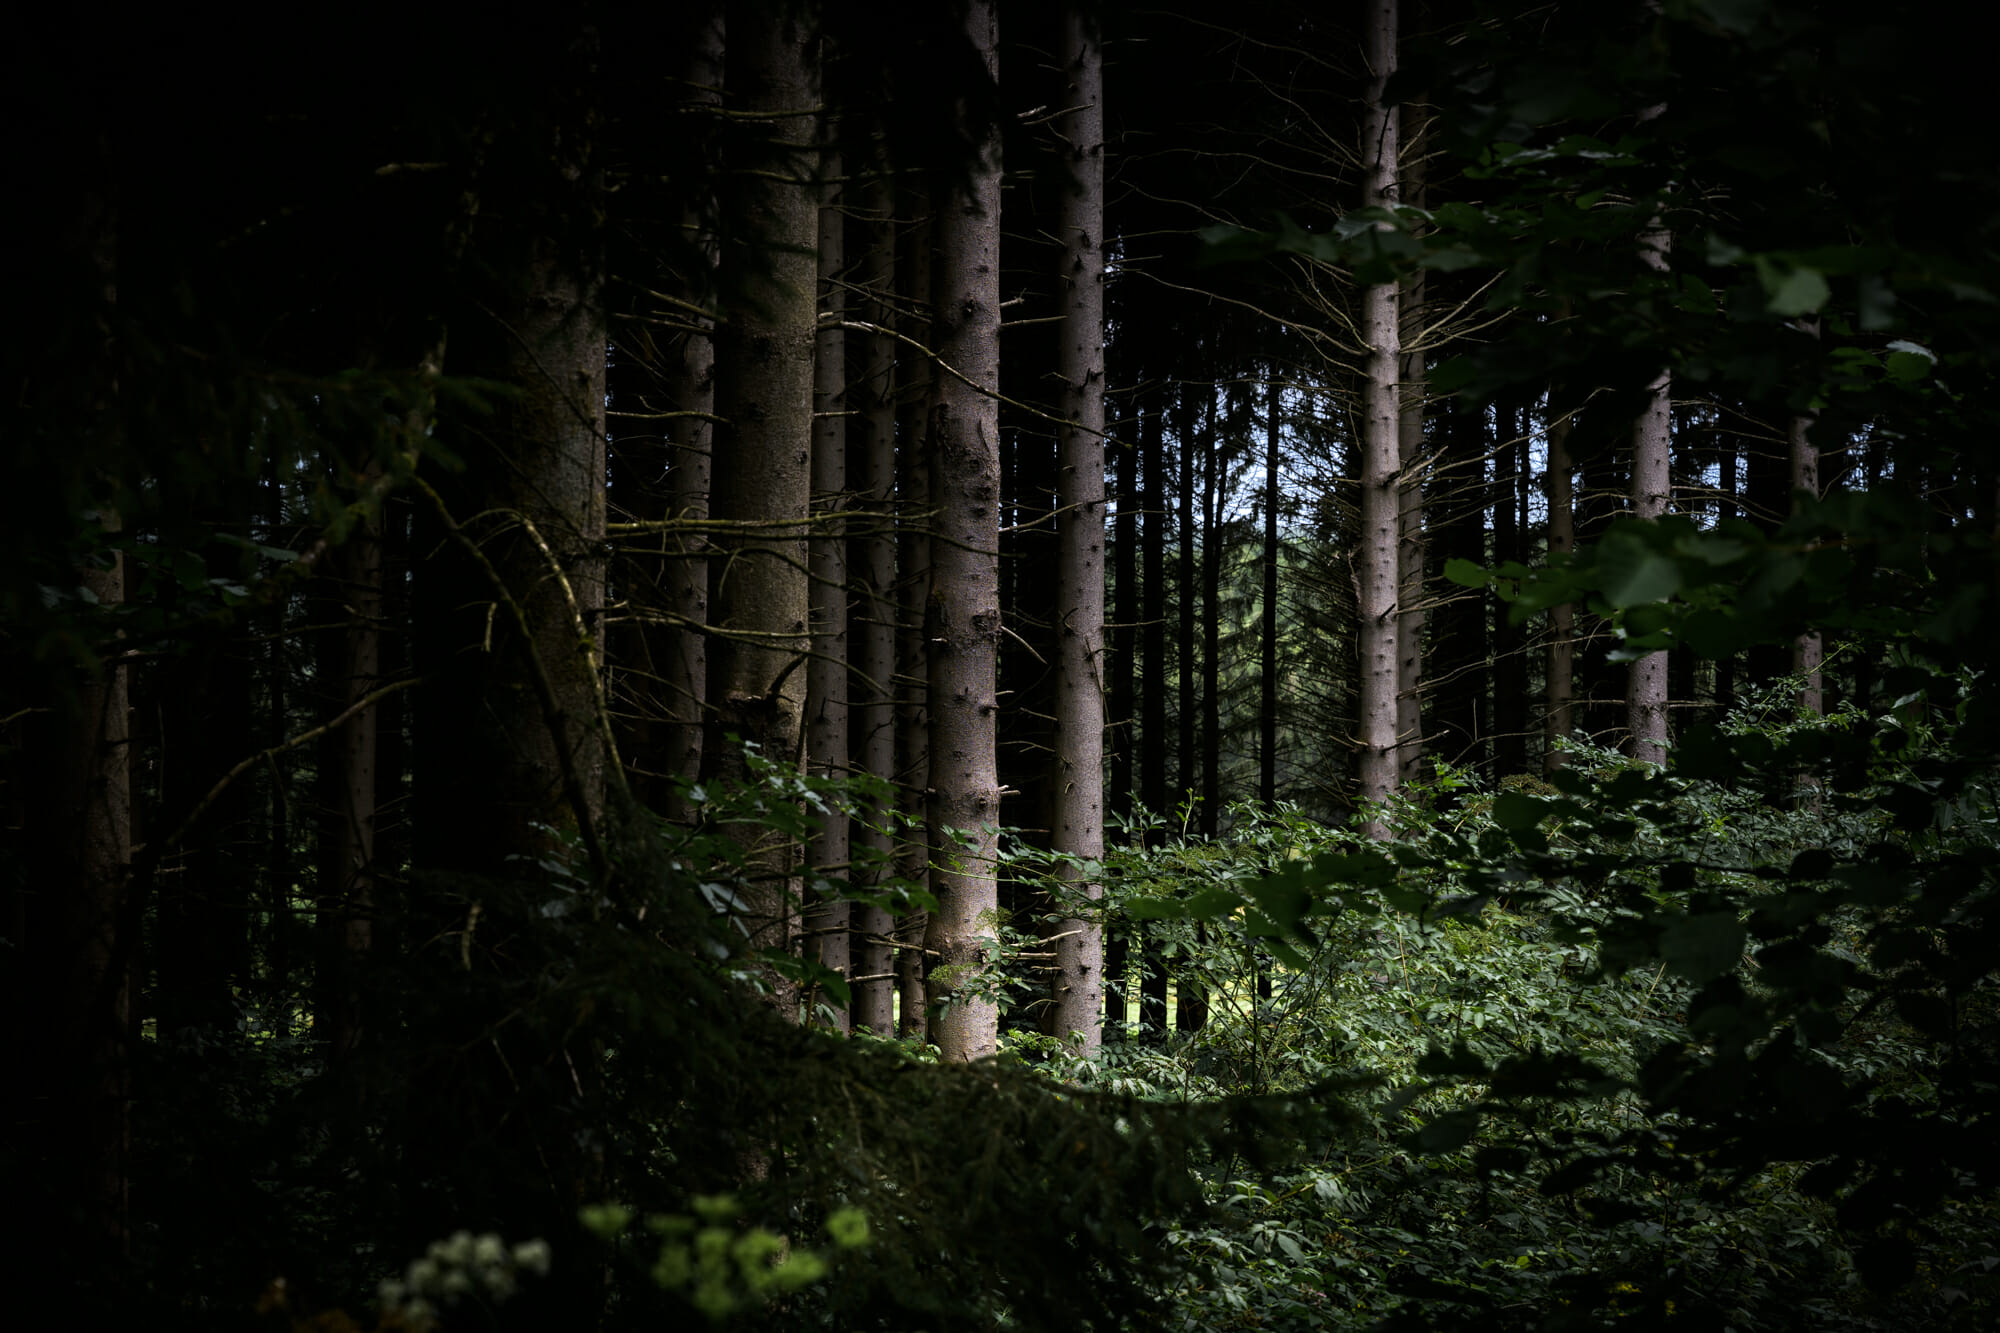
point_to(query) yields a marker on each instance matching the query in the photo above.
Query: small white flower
(489, 1249)
(532, 1256)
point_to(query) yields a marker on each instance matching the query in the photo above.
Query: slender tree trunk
(1510, 667)
(1122, 725)
(1078, 779)
(680, 655)
(1153, 703)
(872, 467)
(1380, 446)
(916, 378)
(349, 781)
(1189, 756)
(1807, 648)
(1191, 998)
(1559, 721)
(1725, 509)
(1267, 710)
(965, 612)
(827, 918)
(1652, 484)
(1214, 478)
(764, 394)
(1410, 542)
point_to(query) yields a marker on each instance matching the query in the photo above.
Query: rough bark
(827, 912)
(1077, 783)
(1510, 666)
(872, 471)
(1410, 539)
(1652, 483)
(1188, 755)
(680, 654)
(965, 608)
(761, 480)
(1153, 704)
(916, 377)
(1559, 717)
(1375, 566)
(1808, 648)
(1646, 683)
(349, 785)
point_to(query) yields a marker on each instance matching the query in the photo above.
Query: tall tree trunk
(1510, 668)
(1410, 540)
(1188, 755)
(916, 378)
(1380, 445)
(762, 475)
(349, 784)
(1725, 509)
(1807, 648)
(680, 655)
(965, 610)
(1121, 723)
(1078, 779)
(1559, 721)
(1153, 703)
(1190, 997)
(1267, 704)
(1652, 483)
(1214, 477)
(872, 468)
(827, 918)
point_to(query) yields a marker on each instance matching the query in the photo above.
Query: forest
(931, 665)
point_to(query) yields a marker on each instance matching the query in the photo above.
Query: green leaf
(1449, 1132)
(1515, 811)
(1704, 946)
(1465, 572)
(1801, 291)
(1632, 573)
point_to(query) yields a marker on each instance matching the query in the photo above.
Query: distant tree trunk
(1559, 722)
(1510, 674)
(1459, 667)
(1380, 446)
(827, 919)
(915, 380)
(1191, 998)
(1125, 630)
(1153, 704)
(1123, 725)
(1267, 709)
(764, 394)
(349, 786)
(680, 657)
(1078, 779)
(1807, 648)
(1725, 509)
(965, 610)
(1188, 756)
(1214, 478)
(872, 468)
